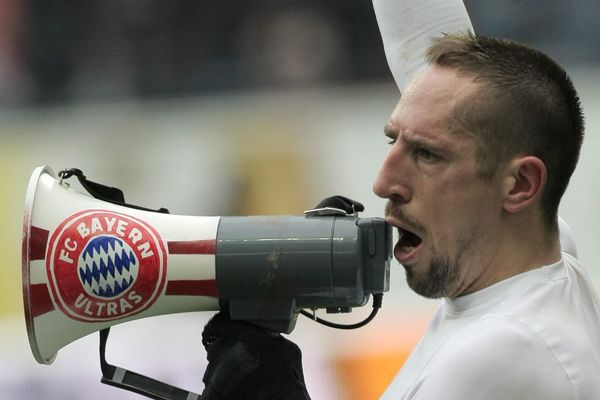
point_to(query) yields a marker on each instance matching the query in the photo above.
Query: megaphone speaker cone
(89, 264)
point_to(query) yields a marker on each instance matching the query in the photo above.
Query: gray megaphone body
(90, 264)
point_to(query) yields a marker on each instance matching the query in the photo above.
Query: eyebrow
(424, 143)
(392, 132)
(416, 140)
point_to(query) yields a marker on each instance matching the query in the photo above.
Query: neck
(521, 245)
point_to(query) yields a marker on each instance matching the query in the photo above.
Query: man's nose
(392, 179)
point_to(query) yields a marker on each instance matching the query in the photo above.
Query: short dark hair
(529, 106)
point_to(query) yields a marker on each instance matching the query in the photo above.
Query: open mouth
(408, 240)
(407, 245)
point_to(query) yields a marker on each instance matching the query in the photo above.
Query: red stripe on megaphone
(37, 243)
(192, 247)
(192, 288)
(40, 300)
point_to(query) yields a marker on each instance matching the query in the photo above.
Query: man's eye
(392, 141)
(427, 155)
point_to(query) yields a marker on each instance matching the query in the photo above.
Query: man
(483, 144)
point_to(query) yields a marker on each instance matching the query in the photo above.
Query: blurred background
(233, 108)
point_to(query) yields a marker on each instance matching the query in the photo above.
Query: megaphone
(89, 264)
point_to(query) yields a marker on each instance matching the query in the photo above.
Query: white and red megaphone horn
(89, 264)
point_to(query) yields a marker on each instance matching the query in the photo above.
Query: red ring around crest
(72, 237)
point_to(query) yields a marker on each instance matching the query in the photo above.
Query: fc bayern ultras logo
(104, 265)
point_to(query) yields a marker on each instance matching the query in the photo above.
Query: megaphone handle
(137, 383)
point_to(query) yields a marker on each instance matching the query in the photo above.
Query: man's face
(446, 214)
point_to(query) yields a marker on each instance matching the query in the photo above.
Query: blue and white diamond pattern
(107, 266)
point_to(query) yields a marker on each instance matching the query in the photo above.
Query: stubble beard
(443, 277)
(439, 280)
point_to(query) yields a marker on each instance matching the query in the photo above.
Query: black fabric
(248, 362)
(343, 203)
(102, 192)
(97, 190)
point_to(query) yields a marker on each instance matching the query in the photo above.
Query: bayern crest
(104, 265)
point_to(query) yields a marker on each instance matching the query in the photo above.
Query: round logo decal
(104, 265)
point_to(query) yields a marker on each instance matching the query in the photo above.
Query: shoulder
(498, 357)
(567, 240)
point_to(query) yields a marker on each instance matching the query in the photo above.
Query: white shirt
(532, 336)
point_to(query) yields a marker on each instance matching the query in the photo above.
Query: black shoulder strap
(137, 383)
(102, 192)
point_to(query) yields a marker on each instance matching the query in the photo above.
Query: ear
(525, 183)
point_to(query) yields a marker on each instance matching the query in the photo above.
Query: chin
(440, 279)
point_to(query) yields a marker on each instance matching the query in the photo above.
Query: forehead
(441, 85)
(435, 102)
